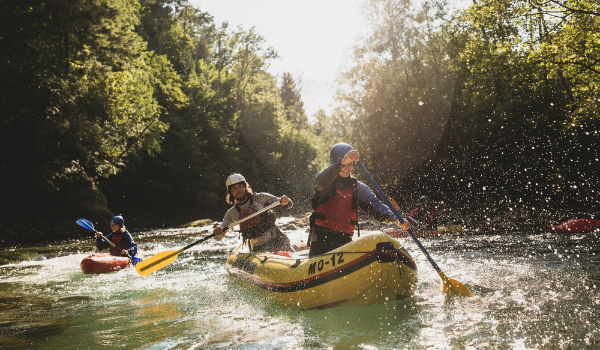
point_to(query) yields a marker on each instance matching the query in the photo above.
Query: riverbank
(486, 217)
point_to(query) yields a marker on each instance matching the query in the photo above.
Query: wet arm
(229, 217)
(414, 214)
(325, 178)
(267, 199)
(102, 244)
(371, 205)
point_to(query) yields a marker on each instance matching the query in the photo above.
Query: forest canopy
(511, 87)
(144, 107)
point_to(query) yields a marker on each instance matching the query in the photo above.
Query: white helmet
(234, 179)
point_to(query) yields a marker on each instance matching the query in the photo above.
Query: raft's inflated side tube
(103, 263)
(373, 269)
(577, 226)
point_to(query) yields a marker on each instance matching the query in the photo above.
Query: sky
(312, 37)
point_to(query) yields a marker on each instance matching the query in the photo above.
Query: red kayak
(103, 263)
(577, 226)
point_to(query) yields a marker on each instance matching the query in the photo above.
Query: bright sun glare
(312, 37)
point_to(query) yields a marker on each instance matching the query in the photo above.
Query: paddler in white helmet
(336, 201)
(260, 231)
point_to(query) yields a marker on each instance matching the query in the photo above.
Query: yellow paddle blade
(453, 286)
(156, 262)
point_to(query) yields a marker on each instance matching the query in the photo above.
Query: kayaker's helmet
(424, 200)
(234, 179)
(338, 151)
(117, 220)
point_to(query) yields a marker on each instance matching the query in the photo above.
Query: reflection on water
(531, 291)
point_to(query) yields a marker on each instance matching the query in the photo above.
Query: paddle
(449, 285)
(395, 204)
(444, 228)
(86, 224)
(163, 259)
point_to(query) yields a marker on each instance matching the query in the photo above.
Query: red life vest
(424, 216)
(338, 211)
(256, 226)
(117, 240)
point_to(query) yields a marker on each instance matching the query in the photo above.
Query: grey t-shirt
(259, 201)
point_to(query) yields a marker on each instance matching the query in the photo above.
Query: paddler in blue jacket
(119, 237)
(260, 231)
(335, 202)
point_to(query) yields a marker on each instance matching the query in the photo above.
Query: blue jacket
(126, 242)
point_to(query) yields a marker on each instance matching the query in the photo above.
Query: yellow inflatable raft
(373, 269)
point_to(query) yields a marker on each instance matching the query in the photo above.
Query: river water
(533, 290)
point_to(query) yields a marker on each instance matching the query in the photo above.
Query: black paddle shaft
(197, 242)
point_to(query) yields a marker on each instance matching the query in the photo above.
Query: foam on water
(531, 291)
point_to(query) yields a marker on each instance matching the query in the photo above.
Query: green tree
(514, 77)
(231, 121)
(292, 102)
(79, 94)
(141, 108)
(395, 97)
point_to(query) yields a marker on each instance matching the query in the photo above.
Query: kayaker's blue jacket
(125, 241)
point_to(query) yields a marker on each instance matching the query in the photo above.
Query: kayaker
(425, 214)
(335, 202)
(260, 231)
(120, 237)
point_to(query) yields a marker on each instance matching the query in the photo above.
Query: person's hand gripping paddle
(86, 224)
(449, 285)
(163, 259)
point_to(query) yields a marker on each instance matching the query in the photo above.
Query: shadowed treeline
(144, 107)
(141, 108)
(497, 104)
